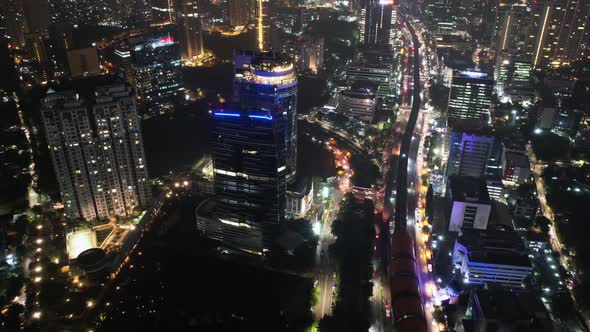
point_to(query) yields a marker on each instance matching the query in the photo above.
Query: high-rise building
(13, 21)
(311, 54)
(151, 64)
(516, 166)
(441, 17)
(506, 309)
(492, 257)
(239, 12)
(562, 32)
(250, 177)
(83, 62)
(377, 21)
(470, 97)
(269, 80)
(512, 74)
(471, 154)
(267, 38)
(511, 29)
(163, 11)
(470, 204)
(359, 102)
(191, 30)
(97, 152)
(376, 66)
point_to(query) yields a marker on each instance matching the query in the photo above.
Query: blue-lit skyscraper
(151, 64)
(249, 162)
(265, 79)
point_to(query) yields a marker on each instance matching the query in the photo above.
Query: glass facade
(249, 160)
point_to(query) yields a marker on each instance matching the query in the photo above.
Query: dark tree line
(354, 230)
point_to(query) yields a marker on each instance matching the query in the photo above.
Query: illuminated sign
(164, 41)
(263, 116)
(473, 74)
(235, 115)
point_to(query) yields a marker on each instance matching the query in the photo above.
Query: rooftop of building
(466, 128)
(491, 240)
(108, 93)
(301, 186)
(500, 258)
(265, 60)
(517, 159)
(472, 74)
(501, 217)
(74, 93)
(536, 235)
(515, 143)
(511, 310)
(376, 56)
(469, 189)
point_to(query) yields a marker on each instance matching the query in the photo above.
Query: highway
(402, 192)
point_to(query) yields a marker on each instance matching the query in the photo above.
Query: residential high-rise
(266, 79)
(97, 152)
(239, 12)
(250, 176)
(562, 32)
(12, 17)
(151, 64)
(470, 97)
(470, 154)
(191, 30)
(311, 54)
(377, 20)
(511, 29)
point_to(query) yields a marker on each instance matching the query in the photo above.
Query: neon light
(264, 117)
(164, 41)
(235, 115)
(473, 74)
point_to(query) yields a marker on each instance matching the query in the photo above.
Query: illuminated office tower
(249, 160)
(269, 80)
(377, 21)
(563, 32)
(512, 74)
(511, 30)
(97, 152)
(151, 64)
(470, 97)
(441, 17)
(191, 30)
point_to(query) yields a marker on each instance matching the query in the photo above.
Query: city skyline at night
(294, 165)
